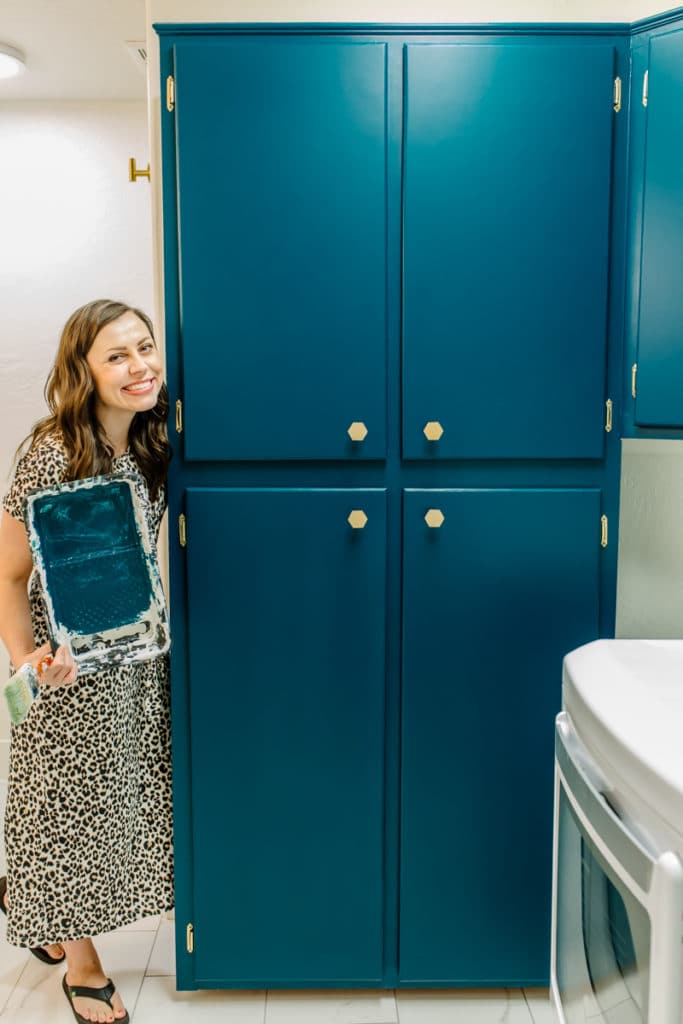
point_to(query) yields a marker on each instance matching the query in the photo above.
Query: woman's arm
(16, 631)
(16, 564)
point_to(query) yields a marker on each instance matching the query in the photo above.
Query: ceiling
(75, 49)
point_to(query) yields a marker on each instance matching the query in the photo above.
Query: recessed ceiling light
(12, 61)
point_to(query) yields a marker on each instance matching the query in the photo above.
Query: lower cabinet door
(286, 651)
(497, 590)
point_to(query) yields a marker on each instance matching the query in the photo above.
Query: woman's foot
(54, 950)
(85, 970)
(93, 1009)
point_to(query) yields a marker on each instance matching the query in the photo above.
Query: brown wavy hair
(70, 395)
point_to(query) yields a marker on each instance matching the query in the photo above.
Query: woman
(88, 821)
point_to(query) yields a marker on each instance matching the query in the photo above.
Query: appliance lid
(625, 700)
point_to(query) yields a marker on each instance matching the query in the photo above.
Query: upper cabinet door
(659, 398)
(507, 186)
(281, 164)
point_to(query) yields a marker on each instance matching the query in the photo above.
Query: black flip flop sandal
(103, 994)
(38, 951)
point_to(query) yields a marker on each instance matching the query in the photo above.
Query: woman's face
(126, 367)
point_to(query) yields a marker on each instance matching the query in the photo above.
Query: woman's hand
(61, 670)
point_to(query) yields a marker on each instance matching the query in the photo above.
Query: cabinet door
(659, 398)
(282, 221)
(506, 248)
(286, 633)
(494, 598)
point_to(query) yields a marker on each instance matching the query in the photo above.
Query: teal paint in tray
(99, 572)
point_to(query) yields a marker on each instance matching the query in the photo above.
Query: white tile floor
(140, 958)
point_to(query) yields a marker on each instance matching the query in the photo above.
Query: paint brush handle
(22, 689)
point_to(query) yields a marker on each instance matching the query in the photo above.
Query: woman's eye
(114, 359)
(147, 347)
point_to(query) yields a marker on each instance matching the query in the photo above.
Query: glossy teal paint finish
(492, 601)
(206, 824)
(286, 630)
(281, 164)
(659, 399)
(507, 189)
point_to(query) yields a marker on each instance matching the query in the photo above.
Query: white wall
(73, 229)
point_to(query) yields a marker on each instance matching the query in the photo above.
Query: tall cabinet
(392, 338)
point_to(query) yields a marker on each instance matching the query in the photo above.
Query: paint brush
(22, 689)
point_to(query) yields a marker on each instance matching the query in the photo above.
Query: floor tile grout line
(12, 990)
(144, 973)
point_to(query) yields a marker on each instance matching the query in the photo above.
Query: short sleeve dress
(88, 825)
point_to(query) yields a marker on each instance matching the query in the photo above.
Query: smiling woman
(88, 822)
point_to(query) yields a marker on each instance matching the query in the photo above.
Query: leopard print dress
(88, 825)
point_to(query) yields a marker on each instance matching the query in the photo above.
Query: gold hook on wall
(134, 173)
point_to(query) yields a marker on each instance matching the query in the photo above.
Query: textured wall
(650, 573)
(73, 229)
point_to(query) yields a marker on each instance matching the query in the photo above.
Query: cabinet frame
(394, 474)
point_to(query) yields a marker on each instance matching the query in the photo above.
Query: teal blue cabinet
(507, 200)
(387, 227)
(281, 178)
(287, 734)
(494, 596)
(659, 391)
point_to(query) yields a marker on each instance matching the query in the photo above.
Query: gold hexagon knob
(357, 431)
(434, 518)
(432, 430)
(357, 519)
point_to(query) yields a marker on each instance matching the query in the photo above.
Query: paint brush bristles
(22, 689)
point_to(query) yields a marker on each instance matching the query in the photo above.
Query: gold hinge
(170, 93)
(604, 525)
(182, 530)
(189, 936)
(645, 85)
(179, 417)
(634, 374)
(617, 94)
(608, 415)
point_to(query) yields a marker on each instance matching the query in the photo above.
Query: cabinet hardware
(432, 430)
(182, 530)
(170, 93)
(434, 518)
(179, 416)
(634, 373)
(134, 173)
(189, 938)
(617, 94)
(357, 431)
(357, 519)
(608, 416)
(645, 85)
(603, 531)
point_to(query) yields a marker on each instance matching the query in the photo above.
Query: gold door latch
(189, 938)
(170, 93)
(134, 173)
(617, 94)
(179, 416)
(604, 535)
(182, 530)
(608, 415)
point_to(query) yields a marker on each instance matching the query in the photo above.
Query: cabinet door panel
(286, 629)
(506, 246)
(282, 220)
(659, 398)
(493, 600)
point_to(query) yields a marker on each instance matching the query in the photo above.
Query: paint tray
(98, 570)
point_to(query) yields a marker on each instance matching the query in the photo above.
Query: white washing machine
(617, 923)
